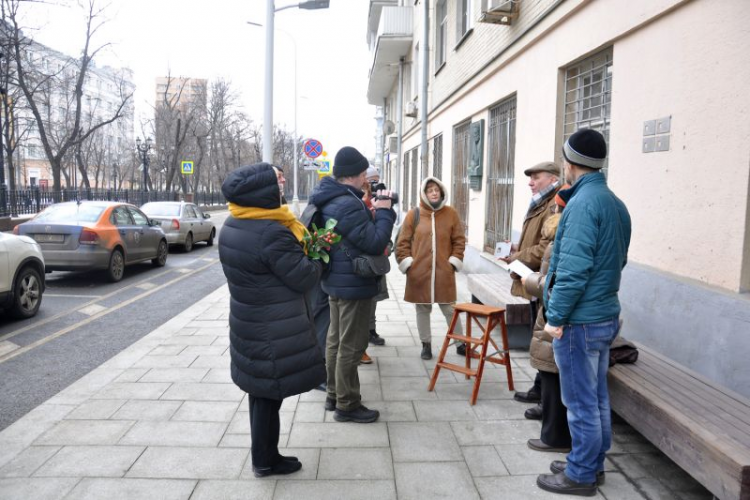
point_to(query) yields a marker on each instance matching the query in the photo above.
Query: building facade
(104, 89)
(663, 80)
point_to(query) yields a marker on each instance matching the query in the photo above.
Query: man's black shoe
(426, 350)
(560, 483)
(461, 349)
(534, 413)
(321, 387)
(330, 404)
(361, 415)
(376, 339)
(539, 445)
(281, 468)
(530, 396)
(289, 458)
(558, 466)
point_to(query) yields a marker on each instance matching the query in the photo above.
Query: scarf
(282, 215)
(541, 196)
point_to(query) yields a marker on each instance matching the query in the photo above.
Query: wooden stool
(493, 317)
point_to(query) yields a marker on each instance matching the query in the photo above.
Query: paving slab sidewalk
(162, 420)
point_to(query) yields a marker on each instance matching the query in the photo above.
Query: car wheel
(188, 242)
(116, 268)
(161, 255)
(27, 296)
(210, 240)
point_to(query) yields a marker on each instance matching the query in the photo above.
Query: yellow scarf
(282, 215)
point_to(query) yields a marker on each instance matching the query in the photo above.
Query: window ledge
(463, 38)
(440, 68)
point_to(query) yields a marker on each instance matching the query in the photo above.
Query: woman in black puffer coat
(272, 336)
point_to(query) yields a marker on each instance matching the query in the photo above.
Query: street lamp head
(148, 141)
(138, 142)
(314, 4)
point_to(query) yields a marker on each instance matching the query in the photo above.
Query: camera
(379, 186)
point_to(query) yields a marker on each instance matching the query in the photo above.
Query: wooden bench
(494, 290)
(702, 427)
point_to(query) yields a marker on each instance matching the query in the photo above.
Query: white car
(21, 275)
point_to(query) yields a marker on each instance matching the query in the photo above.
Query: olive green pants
(346, 343)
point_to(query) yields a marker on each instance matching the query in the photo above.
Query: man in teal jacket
(582, 309)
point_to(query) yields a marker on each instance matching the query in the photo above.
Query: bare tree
(57, 143)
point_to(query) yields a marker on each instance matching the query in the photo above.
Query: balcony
(392, 42)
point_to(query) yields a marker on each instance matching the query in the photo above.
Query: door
(127, 229)
(205, 224)
(5, 277)
(191, 219)
(148, 236)
(202, 226)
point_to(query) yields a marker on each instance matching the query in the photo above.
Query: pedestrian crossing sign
(187, 167)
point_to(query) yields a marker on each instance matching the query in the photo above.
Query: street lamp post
(143, 149)
(268, 94)
(295, 198)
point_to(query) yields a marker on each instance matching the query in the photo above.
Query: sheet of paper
(502, 249)
(520, 268)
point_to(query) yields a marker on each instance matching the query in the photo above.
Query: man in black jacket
(350, 295)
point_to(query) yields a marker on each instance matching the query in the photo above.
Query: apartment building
(180, 92)
(103, 90)
(665, 82)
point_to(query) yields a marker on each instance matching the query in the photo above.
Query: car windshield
(71, 213)
(164, 209)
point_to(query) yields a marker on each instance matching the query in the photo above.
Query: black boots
(376, 339)
(426, 350)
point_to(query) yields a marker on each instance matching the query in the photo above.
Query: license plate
(49, 238)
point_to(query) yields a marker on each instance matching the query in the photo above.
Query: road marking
(92, 309)
(6, 347)
(109, 310)
(145, 286)
(62, 295)
(65, 313)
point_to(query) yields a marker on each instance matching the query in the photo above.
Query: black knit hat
(586, 148)
(349, 163)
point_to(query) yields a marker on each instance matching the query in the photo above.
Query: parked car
(87, 235)
(183, 223)
(21, 275)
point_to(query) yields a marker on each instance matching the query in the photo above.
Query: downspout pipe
(400, 114)
(424, 52)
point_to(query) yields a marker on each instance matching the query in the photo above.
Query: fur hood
(423, 195)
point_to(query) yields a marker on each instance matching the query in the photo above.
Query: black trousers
(264, 429)
(555, 431)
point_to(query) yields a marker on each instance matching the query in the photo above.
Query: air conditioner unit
(411, 109)
(499, 11)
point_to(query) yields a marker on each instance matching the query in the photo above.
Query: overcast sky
(210, 39)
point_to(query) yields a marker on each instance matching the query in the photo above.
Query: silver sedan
(183, 223)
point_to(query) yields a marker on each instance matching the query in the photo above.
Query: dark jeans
(555, 430)
(347, 341)
(264, 429)
(582, 355)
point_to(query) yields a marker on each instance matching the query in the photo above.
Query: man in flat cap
(544, 181)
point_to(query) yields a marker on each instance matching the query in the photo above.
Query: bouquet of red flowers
(320, 240)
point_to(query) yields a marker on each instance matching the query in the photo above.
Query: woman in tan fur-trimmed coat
(431, 254)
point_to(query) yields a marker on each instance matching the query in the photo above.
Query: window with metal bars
(460, 191)
(588, 96)
(414, 183)
(437, 156)
(500, 173)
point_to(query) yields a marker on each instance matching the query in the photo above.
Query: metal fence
(34, 200)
